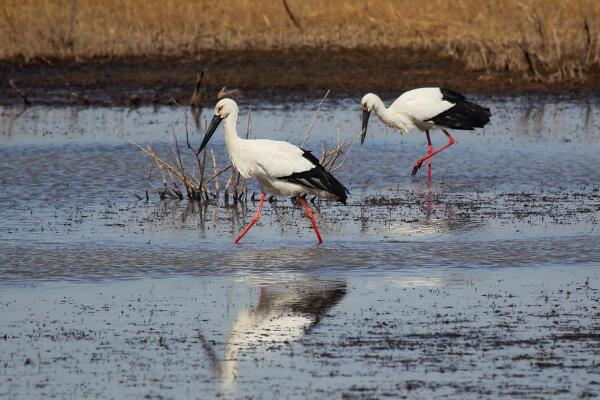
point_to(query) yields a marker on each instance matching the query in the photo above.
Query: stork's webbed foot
(416, 168)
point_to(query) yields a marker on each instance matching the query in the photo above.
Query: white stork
(280, 167)
(425, 109)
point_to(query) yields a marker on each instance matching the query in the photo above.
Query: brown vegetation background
(549, 40)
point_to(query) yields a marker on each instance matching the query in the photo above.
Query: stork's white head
(223, 109)
(369, 101)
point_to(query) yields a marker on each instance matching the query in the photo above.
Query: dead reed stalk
(19, 92)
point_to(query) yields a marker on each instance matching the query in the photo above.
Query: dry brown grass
(546, 39)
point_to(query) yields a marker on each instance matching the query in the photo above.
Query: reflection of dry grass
(545, 39)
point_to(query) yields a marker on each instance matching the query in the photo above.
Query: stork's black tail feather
(463, 115)
(318, 178)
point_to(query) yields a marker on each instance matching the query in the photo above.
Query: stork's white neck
(378, 105)
(391, 119)
(382, 112)
(231, 136)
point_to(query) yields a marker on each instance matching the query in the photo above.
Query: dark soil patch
(259, 74)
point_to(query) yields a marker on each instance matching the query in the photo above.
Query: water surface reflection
(286, 311)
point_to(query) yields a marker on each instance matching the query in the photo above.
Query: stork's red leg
(429, 151)
(310, 216)
(427, 157)
(255, 219)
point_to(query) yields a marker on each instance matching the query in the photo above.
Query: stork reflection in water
(284, 313)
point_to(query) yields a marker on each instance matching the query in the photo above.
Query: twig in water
(137, 196)
(189, 186)
(219, 173)
(196, 99)
(329, 158)
(84, 99)
(310, 127)
(214, 162)
(22, 95)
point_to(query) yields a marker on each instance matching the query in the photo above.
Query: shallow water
(450, 287)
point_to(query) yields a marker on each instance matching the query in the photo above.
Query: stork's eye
(220, 109)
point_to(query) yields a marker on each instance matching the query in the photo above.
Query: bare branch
(219, 173)
(292, 17)
(22, 95)
(196, 99)
(215, 176)
(310, 127)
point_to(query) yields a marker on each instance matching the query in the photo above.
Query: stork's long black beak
(214, 124)
(366, 115)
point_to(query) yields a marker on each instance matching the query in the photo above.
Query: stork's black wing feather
(310, 157)
(452, 96)
(463, 115)
(318, 178)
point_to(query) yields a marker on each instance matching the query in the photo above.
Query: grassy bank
(544, 40)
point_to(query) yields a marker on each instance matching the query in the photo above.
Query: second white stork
(280, 167)
(426, 109)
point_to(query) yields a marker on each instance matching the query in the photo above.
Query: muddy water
(482, 281)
